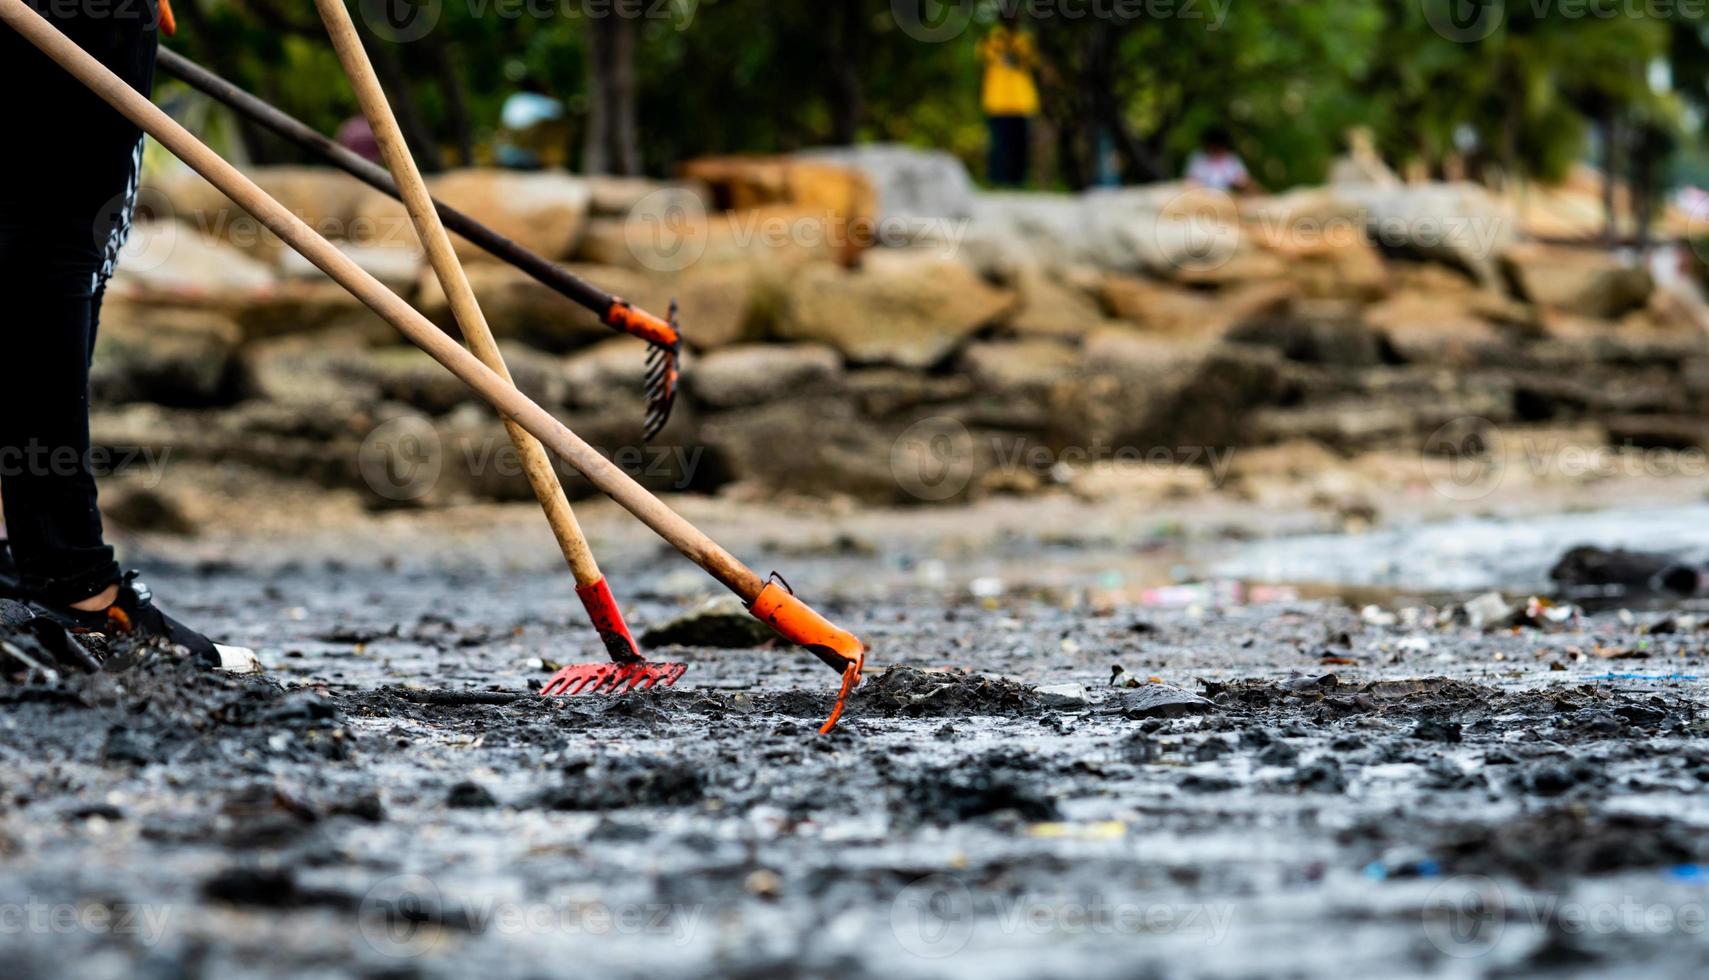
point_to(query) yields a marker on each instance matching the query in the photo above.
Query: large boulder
(759, 373)
(618, 197)
(1163, 229)
(1586, 282)
(1142, 391)
(1461, 225)
(815, 197)
(305, 306)
(1165, 308)
(913, 185)
(819, 446)
(328, 200)
(168, 259)
(899, 308)
(174, 356)
(542, 211)
(1061, 306)
(518, 307)
(1024, 384)
(397, 266)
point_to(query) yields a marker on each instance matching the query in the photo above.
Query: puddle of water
(1466, 555)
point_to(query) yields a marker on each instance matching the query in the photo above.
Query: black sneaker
(11, 585)
(133, 616)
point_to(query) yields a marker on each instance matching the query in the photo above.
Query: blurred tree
(1123, 89)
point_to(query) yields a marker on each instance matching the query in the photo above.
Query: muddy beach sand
(1300, 791)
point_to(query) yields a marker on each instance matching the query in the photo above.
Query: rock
(839, 201)
(720, 622)
(719, 303)
(1591, 567)
(1063, 696)
(1142, 392)
(1062, 306)
(468, 795)
(170, 259)
(167, 355)
(913, 185)
(616, 197)
(145, 509)
(305, 306)
(1337, 341)
(1584, 281)
(818, 446)
(328, 200)
(1160, 701)
(1438, 327)
(517, 307)
(1025, 384)
(1461, 225)
(610, 372)
(1168, 309)
(1436, 730)
(397, 266)
(543, 211)
(755, 374)
(897, 309)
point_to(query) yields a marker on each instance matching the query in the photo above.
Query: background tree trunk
(846, 51)
(456, 108)
(613, 143)
(417, 133)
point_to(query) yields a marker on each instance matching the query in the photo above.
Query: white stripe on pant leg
(121, 230)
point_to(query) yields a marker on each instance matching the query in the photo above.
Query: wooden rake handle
(453, 280)
(487, 383)
(771, 602)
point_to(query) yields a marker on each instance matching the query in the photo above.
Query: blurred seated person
(358, 137)
(533, 129)
(1215, 165)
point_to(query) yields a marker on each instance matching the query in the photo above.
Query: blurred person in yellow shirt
(1009, 98)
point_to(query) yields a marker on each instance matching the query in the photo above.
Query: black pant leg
(64, 210)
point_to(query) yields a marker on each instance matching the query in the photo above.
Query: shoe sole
(237, 660)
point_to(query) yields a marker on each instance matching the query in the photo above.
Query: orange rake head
(628, 670)
(794, 620)
(612, 678)
(663, 356)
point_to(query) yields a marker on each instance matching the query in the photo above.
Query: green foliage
(1287, 78)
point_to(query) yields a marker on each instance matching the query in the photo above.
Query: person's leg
(64, 210)
(1023, 150)
(1006, 134)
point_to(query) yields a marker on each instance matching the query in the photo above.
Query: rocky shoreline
(965, 344)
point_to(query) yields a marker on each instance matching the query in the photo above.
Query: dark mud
(1276, 790)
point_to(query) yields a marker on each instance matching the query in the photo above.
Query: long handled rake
(662, 334)
(628, 669)
(770, 601)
